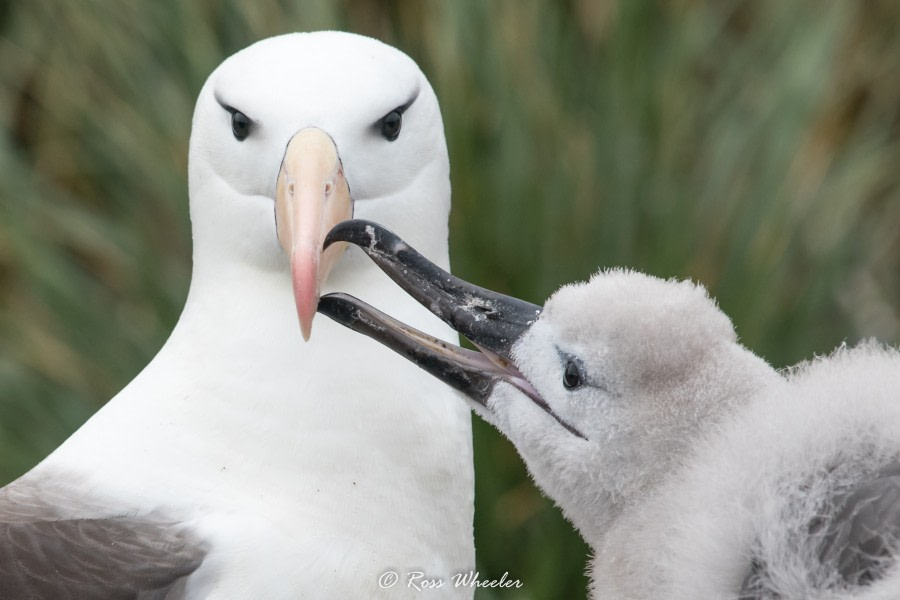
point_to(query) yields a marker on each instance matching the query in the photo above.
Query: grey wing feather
(863, 536)
(860, 540)
(753, 586)
(45, 555)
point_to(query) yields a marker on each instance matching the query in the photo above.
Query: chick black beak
(493, 322)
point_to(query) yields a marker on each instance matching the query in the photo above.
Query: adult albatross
(243, 462)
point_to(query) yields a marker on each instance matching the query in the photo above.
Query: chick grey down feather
(711, 475)
(714, 476)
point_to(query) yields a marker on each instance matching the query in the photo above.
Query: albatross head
(298, 132)
(603, 391)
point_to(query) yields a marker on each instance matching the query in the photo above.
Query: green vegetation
(751, 145)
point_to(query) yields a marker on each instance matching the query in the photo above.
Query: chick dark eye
(240, 125)
(571, 376)
(390, 125)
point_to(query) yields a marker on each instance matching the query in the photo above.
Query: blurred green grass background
(751, 145)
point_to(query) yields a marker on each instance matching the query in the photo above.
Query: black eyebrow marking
(400, 109)
(224, 104)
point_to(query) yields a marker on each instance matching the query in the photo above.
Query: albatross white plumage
(691, 467)
(243, 462)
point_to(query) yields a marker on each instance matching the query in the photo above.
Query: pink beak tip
(306, 330)
(306, 297)
(306, 311)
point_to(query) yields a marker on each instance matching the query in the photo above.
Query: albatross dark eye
(240, 125)
(571, 376)
(390, 125)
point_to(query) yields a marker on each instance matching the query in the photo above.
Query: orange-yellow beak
(311, 196)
